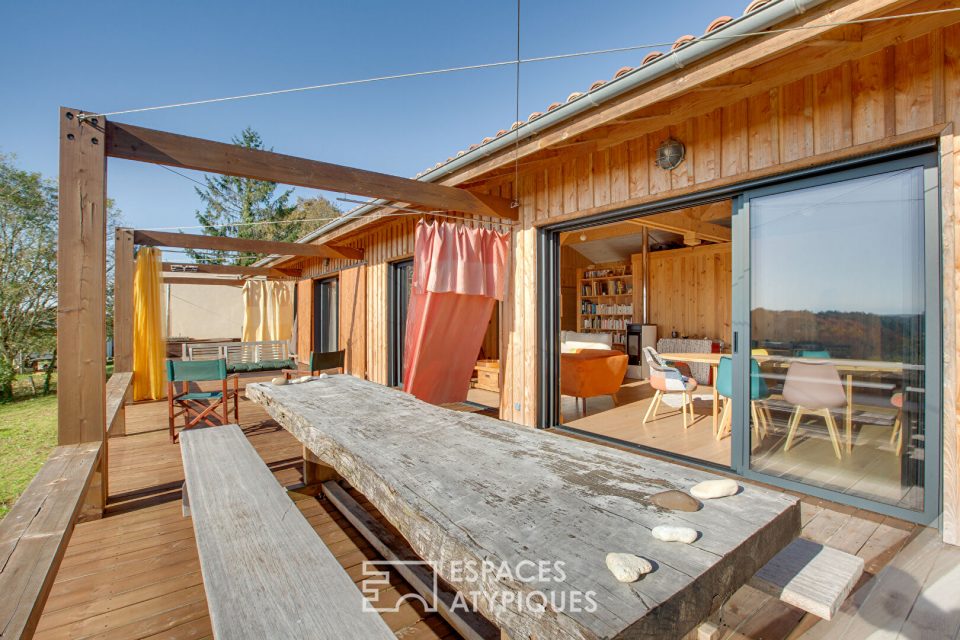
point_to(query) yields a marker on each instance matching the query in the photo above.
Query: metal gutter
(771, 14)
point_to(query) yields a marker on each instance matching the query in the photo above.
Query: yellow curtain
(149, 348)
(267, 311)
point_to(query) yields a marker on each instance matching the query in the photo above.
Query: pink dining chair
(814, 388)
(667, 379)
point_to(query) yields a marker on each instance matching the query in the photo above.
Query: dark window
(325, 310)
(401, 280)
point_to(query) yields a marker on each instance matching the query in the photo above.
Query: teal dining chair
(200, 406)
(758, 393)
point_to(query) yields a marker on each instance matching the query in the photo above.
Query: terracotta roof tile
(682, 40)
(650, 57)
(596, 85)
(717, 23)
(622, 71)
(753, 6)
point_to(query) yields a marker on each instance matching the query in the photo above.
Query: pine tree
(234, 206)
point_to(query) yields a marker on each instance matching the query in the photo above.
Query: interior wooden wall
(491, 339)
(900, 83)
(690, 292)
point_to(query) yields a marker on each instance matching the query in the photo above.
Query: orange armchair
(592, 372)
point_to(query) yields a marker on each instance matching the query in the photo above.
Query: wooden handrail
(35, 533)
(117, 387)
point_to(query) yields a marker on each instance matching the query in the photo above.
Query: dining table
(846, 366)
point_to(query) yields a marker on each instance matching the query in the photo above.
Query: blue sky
(112, 56)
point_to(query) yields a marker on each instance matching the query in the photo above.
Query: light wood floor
(666, 432)
(135, 573)
(871, 470)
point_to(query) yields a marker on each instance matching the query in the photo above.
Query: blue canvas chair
(198, 407)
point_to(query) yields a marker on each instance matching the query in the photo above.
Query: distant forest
(866, 336)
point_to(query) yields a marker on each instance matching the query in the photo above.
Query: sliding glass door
(837, 345)
(325, 316)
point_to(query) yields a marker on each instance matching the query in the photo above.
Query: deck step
(810, 576)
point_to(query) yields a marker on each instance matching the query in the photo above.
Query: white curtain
(268, 311)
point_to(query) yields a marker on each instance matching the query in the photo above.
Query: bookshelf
(605, 300)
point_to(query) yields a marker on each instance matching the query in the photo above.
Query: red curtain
(458, 275)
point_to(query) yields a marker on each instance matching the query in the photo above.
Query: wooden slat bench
(265, 571)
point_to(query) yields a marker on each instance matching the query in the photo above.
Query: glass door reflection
(838, 317)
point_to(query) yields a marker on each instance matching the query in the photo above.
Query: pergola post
(123, 267)
(81, 292)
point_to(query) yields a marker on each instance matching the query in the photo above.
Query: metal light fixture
(670, 154)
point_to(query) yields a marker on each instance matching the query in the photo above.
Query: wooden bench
(810, 576)
(234, 352)
(35, 533)
(265, 571)
(807, 575)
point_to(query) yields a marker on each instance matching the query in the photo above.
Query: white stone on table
(670, 533)
(710, 489)
(627, 567)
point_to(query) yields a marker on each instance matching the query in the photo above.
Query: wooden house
(831, 91)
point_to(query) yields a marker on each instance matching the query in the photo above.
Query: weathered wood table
(466, 489)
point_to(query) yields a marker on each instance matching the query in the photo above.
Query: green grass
(28, 432)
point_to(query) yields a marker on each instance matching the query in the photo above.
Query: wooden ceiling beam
(599, 233)
(679, 222)
(159, 147)
(223, 243)
(204, 281)
(230, 269)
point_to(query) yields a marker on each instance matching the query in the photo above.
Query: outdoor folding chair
(198, 407)
(320, 361)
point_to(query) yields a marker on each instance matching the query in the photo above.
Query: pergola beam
(159, 147)
(231, 269)
(223, 243)
(234, 282)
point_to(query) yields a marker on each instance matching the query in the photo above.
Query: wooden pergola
(73, 484)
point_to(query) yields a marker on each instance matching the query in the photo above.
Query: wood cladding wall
(353, 319)
(690, 292)
(899, 84)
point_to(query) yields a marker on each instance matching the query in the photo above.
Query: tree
(28, 268)
(244, 208)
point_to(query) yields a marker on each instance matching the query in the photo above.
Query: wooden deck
(136, 574)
